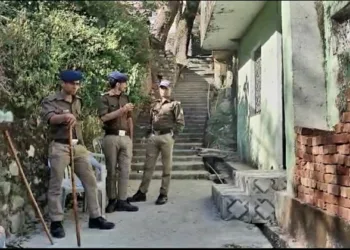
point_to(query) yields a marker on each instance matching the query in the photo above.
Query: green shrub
(38, 40)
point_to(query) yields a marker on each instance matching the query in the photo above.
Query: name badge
(122, 132)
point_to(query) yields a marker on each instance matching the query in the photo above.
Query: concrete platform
(189, 220)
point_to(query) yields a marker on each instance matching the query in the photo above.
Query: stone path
(188, 220)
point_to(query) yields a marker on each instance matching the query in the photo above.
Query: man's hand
(128, 107)
(70, 119)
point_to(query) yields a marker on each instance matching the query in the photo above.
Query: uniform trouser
(59, 159)
(156, 144)
(118, 155)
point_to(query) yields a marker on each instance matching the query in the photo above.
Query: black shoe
(139, 196)
(111, 206)
(162, 199)
(125, 206)
(56, 229)
(101, 223)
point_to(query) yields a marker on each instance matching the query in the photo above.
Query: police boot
(162, 199)
(56, 229)
(139, 196)
(100, 223)
(111, 206)
(125, 206)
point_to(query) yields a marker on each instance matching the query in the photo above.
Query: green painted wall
(249, 140)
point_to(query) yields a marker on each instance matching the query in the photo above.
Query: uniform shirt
(167, 115)
(109, 103)
(57, 105)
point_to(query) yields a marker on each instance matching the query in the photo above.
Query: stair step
(177, 158)
(176, 146)
(177, 166)
(194, 134)
(179, 140)
(179, 175)
(176, 152)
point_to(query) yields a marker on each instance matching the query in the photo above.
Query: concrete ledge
(310, 225)
(235, 204)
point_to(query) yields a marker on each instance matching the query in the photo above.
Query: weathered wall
(15, 206)
(336, 45)
(312, 83)
(259, 136)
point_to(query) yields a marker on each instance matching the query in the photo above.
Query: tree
(183, 31)
(164, 19)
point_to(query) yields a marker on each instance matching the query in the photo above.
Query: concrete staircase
(250, 198)
(191, 91)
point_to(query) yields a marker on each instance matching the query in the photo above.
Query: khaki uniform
(60, 158)
(117, 148)
(167, 118)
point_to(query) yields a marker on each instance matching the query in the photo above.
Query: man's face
(122, 86)
(71, 88)
(164, 92)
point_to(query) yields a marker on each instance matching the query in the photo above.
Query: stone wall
(16, 213)
(321, 176)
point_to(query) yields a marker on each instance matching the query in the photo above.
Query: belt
(115, 132)
(162, 132)
(63, 141)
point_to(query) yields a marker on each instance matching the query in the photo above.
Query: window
(257, 79)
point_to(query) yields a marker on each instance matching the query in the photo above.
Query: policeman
(115, 111)
(167, 121)
(61, 110)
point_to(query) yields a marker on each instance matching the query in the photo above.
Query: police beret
(71, 75)
(116, 75)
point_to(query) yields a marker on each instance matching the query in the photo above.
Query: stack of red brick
(322, 176)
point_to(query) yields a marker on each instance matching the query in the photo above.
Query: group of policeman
(63, 109)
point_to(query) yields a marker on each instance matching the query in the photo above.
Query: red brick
(321, 186)
(309, 199)
(330, 198)
(320, 167)
(303, 139)
(317, 140)
(344, 213)
(330, 169)
(338, 128)
(320, 203)
(319, 194)
(305, 190)
(333, 189)
(341, 170)
(347, 161)
(310, 166)
(331, 159)
(344, 149)
(332, 209)
(345, 192)
(344, 180)
(339, 138)
(345, 117)
(319, 176)
(308, 157)
(328, 149)
(344, 202)
(346, 128)
(331, 179)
